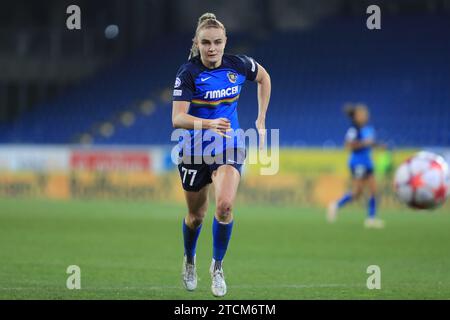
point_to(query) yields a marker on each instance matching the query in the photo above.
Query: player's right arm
(368, 141)
(353, 144)
(183, 92)
(181, 119)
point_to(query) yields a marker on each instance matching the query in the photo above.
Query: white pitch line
(298, 286)
(242, 286)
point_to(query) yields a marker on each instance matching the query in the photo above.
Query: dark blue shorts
(361, 171)
(196, 172)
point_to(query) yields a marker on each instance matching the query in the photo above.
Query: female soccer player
(360, 139)
(205, 97)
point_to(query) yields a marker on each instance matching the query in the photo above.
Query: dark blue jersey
(361, 156)
(214, 93)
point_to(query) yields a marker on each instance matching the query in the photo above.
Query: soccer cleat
(332, 212)
(372, 223)
(189, 275)
(218, 285)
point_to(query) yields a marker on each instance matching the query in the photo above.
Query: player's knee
(223, 210)
(196, 218)
(356, 195)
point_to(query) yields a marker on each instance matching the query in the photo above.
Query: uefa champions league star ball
(423, 181)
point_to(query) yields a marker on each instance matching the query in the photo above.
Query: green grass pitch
(133, 250)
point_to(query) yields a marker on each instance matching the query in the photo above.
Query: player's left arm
(264, 90)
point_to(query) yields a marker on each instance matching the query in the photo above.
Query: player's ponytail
(349, 110)
(206, 16)
(206, 20)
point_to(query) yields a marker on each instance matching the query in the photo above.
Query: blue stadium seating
(402, 72)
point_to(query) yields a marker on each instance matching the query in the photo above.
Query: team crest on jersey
(232, 77)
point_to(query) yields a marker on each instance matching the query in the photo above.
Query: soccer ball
(423, 181)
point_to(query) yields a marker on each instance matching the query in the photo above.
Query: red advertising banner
(110, 160)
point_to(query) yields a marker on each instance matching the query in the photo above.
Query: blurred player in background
(206, 93)
(360, 139)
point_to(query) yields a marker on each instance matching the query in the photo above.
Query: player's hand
(369, 143)
(220, 126)
(261, 126)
